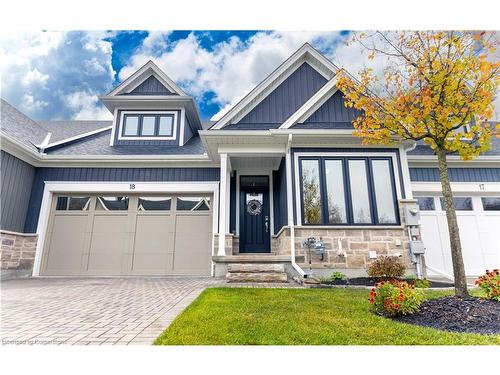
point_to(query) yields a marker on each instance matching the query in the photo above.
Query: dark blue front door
(255, 226)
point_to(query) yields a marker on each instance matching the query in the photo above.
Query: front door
(255, 226)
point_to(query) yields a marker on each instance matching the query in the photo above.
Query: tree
(438, 87)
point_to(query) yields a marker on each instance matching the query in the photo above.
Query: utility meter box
(412, 214)
(417, 247)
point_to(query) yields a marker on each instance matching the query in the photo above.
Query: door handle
(266, 223)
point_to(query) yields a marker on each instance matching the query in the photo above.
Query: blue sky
(59, 75)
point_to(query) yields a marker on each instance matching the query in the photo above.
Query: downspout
(289, 198)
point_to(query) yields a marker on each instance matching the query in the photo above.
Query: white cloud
(38, 70)
(84, 106)
(34, 76)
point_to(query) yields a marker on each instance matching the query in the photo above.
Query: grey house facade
(157, 191)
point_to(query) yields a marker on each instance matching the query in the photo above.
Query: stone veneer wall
(348, 247)
(17, 250)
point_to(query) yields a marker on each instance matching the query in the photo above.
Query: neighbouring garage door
(479, 222)
(129, 235)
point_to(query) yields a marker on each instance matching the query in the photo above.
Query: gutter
(288, 159)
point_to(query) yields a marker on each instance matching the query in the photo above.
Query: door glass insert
(154, 203)
(73, 203)
(112, 203)
(193, 203)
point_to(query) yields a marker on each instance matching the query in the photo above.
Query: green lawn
(240, 316)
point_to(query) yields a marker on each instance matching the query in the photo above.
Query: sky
(56, 75)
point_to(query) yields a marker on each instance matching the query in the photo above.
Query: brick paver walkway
(92, 311)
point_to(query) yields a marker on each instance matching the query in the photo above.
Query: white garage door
(479, 224)
(129, 235)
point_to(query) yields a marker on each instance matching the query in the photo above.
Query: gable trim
(309, 107)
(142, 74)
(305, 54)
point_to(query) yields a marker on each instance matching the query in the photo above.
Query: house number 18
(132, 186)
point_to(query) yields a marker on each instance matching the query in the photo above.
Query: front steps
(256, 273)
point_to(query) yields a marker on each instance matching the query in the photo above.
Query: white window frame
(298, 200)
(174, 114)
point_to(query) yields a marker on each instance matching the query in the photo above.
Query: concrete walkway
(94, 311)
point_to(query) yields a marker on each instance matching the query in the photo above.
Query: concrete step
(255, 267)
(256, 277)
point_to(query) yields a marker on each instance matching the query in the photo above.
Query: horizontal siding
(456, 174)
(289, 96)
(108, 174)
(16, 182)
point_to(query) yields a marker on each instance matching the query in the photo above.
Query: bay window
(348, 191)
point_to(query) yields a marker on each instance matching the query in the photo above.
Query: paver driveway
(93, 310)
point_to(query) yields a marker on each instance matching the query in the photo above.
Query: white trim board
(148, 138)
(143, 73)
(298, 200)
(52, 188)
(487, 188)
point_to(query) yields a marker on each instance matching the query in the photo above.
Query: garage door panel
(153, 247)
(63, 259)
(109, 244)
(192, 245)
(155, 239)
(478, 234)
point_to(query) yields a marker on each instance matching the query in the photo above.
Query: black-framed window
(348, 191)
(148, 125)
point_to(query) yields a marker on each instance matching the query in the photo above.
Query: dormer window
(148, 125)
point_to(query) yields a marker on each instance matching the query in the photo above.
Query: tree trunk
(451, 216)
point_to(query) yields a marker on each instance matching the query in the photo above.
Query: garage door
(129, 235)
(479, 223)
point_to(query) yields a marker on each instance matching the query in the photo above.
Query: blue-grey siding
(456, 174)
(108, 174)
(151, 86)
(289, 96)
(16, 181)
(279, 197)
(134, 142)
(333, 111)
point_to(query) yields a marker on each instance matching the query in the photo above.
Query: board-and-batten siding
(333, 110)
(289, 96)
(456, 174)
(151, 86)
(108, 174)
(16, 181)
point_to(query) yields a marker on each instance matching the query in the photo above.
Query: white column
(405, 170)
(223, 204)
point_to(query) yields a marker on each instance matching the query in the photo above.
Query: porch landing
(252, 258)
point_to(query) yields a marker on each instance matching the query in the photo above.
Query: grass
(253, 316)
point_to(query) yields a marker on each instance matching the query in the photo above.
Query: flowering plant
(393, 298)
(490, 284)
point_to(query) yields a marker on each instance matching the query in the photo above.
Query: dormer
(150, 109)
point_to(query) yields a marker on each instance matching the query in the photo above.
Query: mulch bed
(368, 281)
(472, 315)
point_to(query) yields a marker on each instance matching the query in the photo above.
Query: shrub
(337, 276)
(490, 284)
(386, 267)
(392, 298)
(422, 283)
